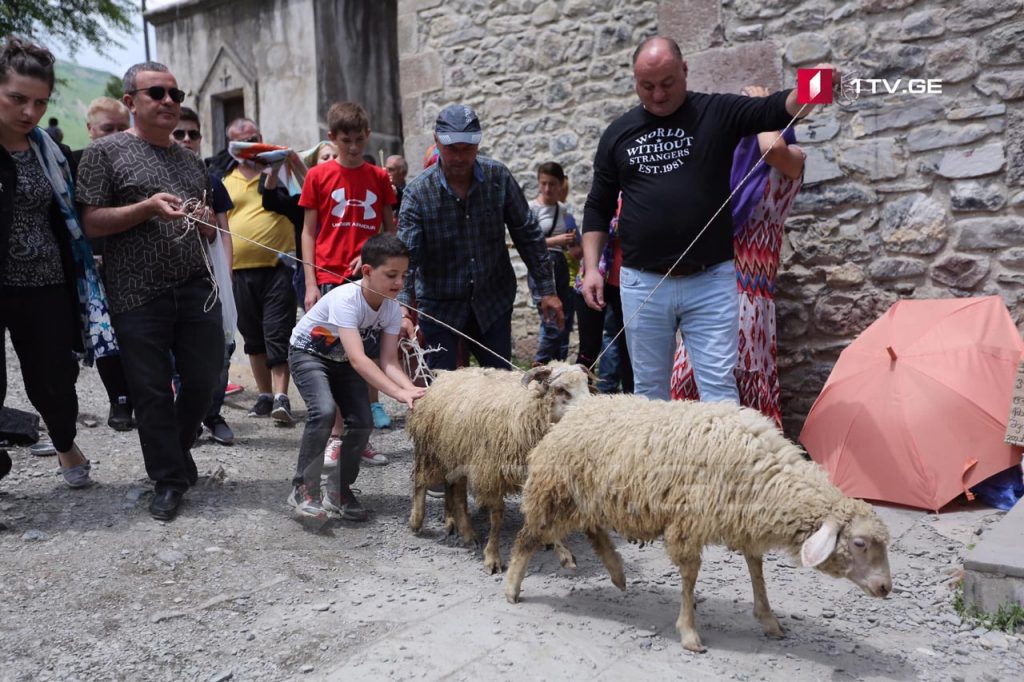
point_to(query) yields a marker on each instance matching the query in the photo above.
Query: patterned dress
(757, 245)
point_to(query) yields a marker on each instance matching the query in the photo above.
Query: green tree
(114, 88)
(73, 22)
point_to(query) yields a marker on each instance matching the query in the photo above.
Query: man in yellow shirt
(263, 289)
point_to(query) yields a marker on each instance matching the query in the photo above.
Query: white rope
(625, 323)
(413, 351)
(194, 208)
(194, 218)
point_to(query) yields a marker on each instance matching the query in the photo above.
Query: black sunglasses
(192, 135)
(158, 92)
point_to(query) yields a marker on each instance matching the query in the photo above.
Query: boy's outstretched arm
(389, 363)
(373, 374)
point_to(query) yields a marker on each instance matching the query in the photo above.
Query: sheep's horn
(537, 373)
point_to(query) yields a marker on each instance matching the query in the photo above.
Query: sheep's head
(855, 550)
(562, 384)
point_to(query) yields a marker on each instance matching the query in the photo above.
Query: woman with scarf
(50, 297)
(759, 210)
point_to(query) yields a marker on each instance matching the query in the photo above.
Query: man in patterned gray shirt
(132, 186)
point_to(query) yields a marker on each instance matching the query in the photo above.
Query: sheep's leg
(689, 565)
(611, 559)
(762, 610)
(419, 498)
(460, 509)
(565, 556)
(528, 541)
(492, 554)
(450, 513)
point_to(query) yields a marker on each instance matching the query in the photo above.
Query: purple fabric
(746, 155)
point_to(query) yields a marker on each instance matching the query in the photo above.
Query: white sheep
(474, 428)
(696, 474)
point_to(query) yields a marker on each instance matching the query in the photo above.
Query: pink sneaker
(331, 452)
(374, 458)
(232, 389)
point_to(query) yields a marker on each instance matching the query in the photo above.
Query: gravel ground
(92, 588)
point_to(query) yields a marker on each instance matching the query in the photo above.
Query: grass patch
(1007, 618)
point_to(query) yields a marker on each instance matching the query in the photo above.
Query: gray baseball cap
(457, 123)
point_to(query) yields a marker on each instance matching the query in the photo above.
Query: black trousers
(43, 338)
(266, 311)
(172, 323)
(592, 325)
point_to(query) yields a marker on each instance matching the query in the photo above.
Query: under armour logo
(339, 196)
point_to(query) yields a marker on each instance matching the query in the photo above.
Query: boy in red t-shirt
(347, 201)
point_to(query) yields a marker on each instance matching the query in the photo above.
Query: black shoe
(264, 404)
(5, 463)
(219, 430)
(164, 506)
(282, 411)
(344, 504)
(120, 417)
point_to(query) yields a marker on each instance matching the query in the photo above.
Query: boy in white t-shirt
(330, 367)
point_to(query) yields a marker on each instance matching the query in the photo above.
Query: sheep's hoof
(773, 630)
(512, 595)
(692, 643)
(619, 581)
(493, 565)
(568, 561)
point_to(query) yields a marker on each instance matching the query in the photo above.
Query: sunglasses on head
(192, 135)
(158, 92)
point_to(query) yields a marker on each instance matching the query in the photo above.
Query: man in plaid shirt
(453, 220)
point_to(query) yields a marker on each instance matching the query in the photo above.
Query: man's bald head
(658, 47)
(659, 74)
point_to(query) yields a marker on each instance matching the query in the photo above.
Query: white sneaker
(331, 452)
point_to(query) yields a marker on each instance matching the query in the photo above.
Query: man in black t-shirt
(670, 157)
(132, 187)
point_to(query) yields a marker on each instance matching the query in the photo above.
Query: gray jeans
(324, 384)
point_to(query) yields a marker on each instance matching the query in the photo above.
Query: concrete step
(994, 569)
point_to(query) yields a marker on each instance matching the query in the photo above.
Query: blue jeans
(703, 308)
(171, 325)
(553, 343)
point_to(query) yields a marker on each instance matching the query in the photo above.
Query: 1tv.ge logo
(815, 86)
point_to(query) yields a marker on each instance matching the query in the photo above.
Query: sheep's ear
(820, 546)
(541, 373)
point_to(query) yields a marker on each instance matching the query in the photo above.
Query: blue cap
(457, 123)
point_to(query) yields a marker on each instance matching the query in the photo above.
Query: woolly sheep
(697, 474)
(474, 428)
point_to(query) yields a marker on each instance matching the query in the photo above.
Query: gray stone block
(915, 224)
(807, 48)
(1003, 45)
(970, 15)
(953, 60)
(961, 271)
(972, 195)
(931, 137)
(972, 163)
(990, 233)
(876, 158)
(994, 569)
(727, 69)
(1006, 85)
(900, 115)
(694, 24)
(924, 24)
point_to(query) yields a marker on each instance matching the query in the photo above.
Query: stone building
(282, 63)
(907, 196)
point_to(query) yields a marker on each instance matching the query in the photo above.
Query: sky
(118, 59)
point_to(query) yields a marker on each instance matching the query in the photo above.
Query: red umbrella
(915, 410)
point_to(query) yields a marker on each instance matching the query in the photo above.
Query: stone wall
(907, 196)
(544, 77)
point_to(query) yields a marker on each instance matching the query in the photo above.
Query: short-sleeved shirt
(344, 308)
(156, 255)
(221, 199)
(250, 220)
(348, 204)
